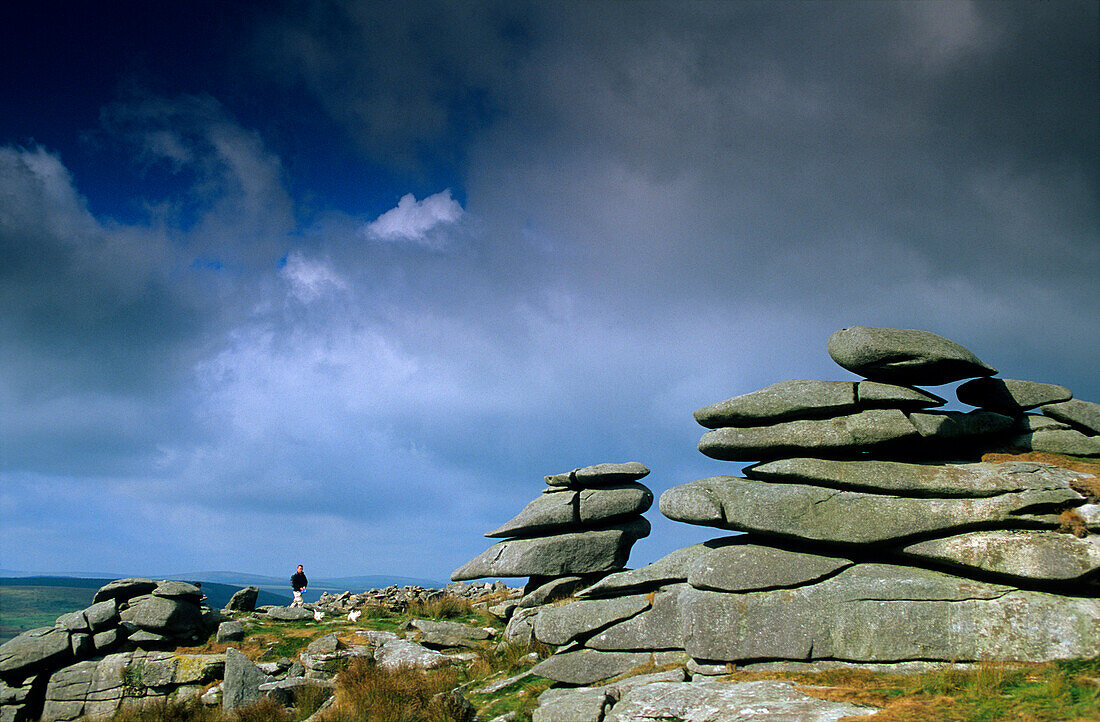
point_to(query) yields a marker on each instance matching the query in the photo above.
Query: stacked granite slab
(581, 527)
(126, 614)
(859, 544)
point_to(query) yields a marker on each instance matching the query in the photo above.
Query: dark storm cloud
(648, 207)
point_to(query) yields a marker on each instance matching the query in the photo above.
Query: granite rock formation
(582, 526)
(48, 666)
(875, 527)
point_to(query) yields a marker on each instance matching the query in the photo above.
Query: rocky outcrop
(100, 687)
(873, 531)
(584, 523)
(126, 616)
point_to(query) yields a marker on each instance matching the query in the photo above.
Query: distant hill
(317, 585)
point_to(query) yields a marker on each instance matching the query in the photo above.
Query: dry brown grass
(1066, 462)
(507, 657)
(266, 710)
(1070, 522)
(915, 709)
(369, 692)
(446, 606)
(1088, 487)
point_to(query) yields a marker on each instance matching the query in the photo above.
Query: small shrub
(374, 611)
(446, 606)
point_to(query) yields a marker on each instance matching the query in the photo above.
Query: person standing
(298, 583)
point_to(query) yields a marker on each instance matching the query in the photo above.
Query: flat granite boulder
(793, 399)
(561, 511)
(886, 613)
(669, 569)
(163, 615)
(1059, 441)
(847, 517)
(587, 666)
(34, 650)
(1039, 555)
(547, 512)
(874, 395)
(751, 567)
(1035, 422)
(940, 480)
(289, 614)
(1082, 414)
(561, 624)
(904, 356)
(657, 628)
(844, 434)
(613, 502)
(553, 590)
(600, 475)
(594, 550)
(956, 425)
(716, 701)
(178, 590)
(401, 653)
(1010, 395)
(124, 589)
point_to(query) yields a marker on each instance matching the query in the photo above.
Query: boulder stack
(580, 528)
(126, 614)
(861, 543)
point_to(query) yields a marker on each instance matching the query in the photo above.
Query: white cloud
(414, 220)
(310, 279)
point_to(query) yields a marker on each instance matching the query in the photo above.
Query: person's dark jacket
(298, 582)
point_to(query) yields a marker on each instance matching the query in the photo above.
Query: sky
(338, 283)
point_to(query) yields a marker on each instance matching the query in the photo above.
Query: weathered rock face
(163, 615)
(242, 681)
(764, 699)
(561, 510)
(1010, 395)
(1025, 554)
(584, 523)
(33, 651)
(126, 615)
(873, 612)
(926, 480)
(244, 600)
(592, 550)
(1084, 415)
(904, 356)
(813, 513)
(840, 434)
(98, 688)
(872, 533)
(748, 567)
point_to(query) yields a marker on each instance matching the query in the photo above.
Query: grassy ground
(1022, 693)
(27, 607)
